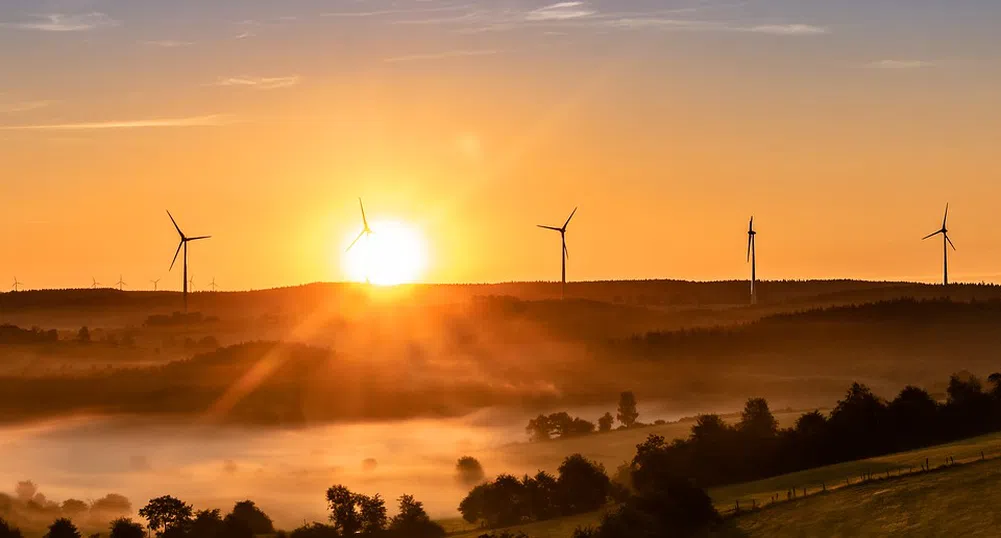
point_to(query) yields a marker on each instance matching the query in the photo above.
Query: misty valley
(277, 395)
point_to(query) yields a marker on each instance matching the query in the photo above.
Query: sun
(394, 253)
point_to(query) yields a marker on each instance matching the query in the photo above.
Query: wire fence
(743, 506)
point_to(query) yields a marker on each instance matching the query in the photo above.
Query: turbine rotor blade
(178, 228)
(352, 245)
(950, 242)
(750, 238)
(565, 224)
(946, 217)
(929, 236)
(199, 238)
(566, 253)
(553, 228)
(750, 227)
(178, 251)
(364, 220)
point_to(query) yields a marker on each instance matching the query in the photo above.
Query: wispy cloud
(168, 44)
(788, 29)
(23, 106)
(260, 83)
(561, 11)
(441, 55)
(61, 22)
(898, 64)
(213, 120)
(243, 35)
(387, 12)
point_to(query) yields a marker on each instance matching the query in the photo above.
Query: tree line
(351, 514)
(563, 426)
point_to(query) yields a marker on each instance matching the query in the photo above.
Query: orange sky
(844, 135)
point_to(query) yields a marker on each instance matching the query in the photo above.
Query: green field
(927, 504)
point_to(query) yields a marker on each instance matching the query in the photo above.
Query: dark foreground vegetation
(351, 514)
(661, 492)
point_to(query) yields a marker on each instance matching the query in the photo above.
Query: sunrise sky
(843, 126)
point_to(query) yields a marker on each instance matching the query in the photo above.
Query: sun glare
(395, 253)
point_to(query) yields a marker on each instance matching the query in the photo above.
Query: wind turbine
(120, 283)
(191, 283)
(946, 243)
(213, 284)
(184, 244)
(565, 253)
(95, 284)
(752, 257)
(365, 232)
(155, 283)
(17, 285)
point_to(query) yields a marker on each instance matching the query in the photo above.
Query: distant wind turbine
(946, 243)
(184, 244)
(155, 283)
(191, 283)
(752, 257)
(121, 283)
(564, 254)
(17, 285)
(365, 232)
(213, 284)
(95, 284)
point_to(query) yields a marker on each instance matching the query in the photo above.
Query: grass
(961, 501)
(844, 508)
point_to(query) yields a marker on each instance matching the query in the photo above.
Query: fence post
(737, 510)
(981, 455)
(927, 468)
(823, 486)
(754, 504)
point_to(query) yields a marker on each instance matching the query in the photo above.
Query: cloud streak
(387, 12)
(23, 106)
(169, 44)
(441, 55)
(559, 12)
(260, 83)
(213, 120)
(61, 22)
(898, 64)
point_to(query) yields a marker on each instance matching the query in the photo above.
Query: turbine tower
(365, 232)
(184, 244)
(946, 243)
(17, 285)
(564, 254)
(751, 257)
(120, 283)
(155, 283)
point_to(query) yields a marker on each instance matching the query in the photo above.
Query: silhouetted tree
(83, 335)
(124, 527)
(627, 413)
(858, 423)
(757, 420)
(166, 514)
(413, 522)
(72, 508)
(541, 494)
(62, 528)
(111, 505)
(206, 524)
(354, 513)
(9, 531)
(253, 517)
(605, 422)
(583, 485)
(468, 471)
(538, 428)
(25, 490)
(914, 416)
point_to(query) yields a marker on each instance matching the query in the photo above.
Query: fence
(865, 477)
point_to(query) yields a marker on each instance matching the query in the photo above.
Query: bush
(62, 528)
(315, 530)
(124, 527)
(9, 531)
